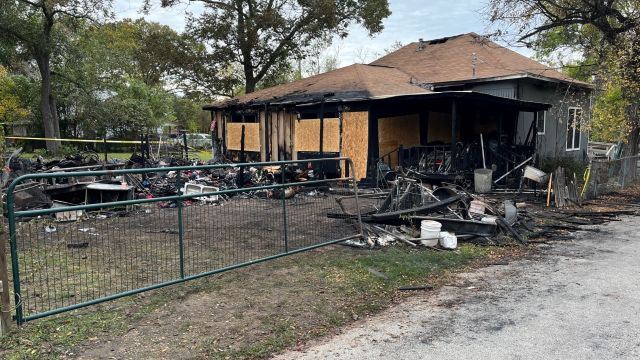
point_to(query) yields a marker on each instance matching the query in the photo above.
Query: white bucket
(534, 174)
(448, 240)
(430, 232)
(482, 180)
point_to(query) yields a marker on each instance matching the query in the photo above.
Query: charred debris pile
(80, 190)
(412, 211)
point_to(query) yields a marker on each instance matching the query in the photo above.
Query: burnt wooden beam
(454, 132)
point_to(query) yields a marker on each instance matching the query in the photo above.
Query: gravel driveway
(575, 300)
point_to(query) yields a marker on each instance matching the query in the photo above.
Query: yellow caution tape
(81, 140)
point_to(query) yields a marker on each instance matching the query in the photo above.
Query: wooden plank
(286, 122)
(355, 140)
(263, 138)
(549, 190)
(281, 136)
(294, 130)
(274, 135)
(219, 123)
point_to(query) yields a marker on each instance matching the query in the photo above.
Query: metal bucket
(482, 180)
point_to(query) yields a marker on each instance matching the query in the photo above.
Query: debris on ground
(413, 211)
(197, 184)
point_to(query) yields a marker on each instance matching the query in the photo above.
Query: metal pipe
(512, 170)
(170, 198)
(180, 224)
(284, 211)
(484, 163)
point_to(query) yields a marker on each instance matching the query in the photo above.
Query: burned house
(435, 106)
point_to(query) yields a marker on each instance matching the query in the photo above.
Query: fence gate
(70, 256)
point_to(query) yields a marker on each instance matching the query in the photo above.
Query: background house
(428, 100)
(471, 62)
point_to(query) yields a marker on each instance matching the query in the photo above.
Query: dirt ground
(102, 256)
(249, 313)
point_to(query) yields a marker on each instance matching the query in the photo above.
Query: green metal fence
(119, 248)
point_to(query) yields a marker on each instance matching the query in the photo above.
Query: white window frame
(573, 131)
(544, 121)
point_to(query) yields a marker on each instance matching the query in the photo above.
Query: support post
(213, 145)
(240, 177)
(5, 302)
(106, 149)
(284, 211)
(322, 138)
(180, 223)
(186, 146)
(143, 153)
(454, 133)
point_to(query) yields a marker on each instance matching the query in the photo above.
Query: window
(542, 122)
(240, 117)
(313, 115)
(573, 129)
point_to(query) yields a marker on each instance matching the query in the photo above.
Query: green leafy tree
(261, 36)
(116, 62)
(12, 105)
(608, 123)
(606, 33)
(39, 27)
(135, 108)
(187, 113)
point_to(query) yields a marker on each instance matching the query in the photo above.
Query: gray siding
(507, 89)
(553, 143)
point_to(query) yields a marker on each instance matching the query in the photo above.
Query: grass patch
(249, 313)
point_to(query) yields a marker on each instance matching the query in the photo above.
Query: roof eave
(511, 77)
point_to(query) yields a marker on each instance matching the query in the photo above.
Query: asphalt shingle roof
(409, 70)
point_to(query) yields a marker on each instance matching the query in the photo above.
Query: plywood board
(263, 149)
(273, 123)
(307, 135)
(251, 136)
(396, 131)
(355, 140)
(439, 127)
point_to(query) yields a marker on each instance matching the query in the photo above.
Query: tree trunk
(250, 85)
(632, 142)
(630, 164)
(48, 104)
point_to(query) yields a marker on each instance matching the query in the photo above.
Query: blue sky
(411, 20)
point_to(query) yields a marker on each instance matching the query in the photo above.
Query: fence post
(106, 149)
(284, 210)
(186, 145)
(349, 164)
(5, 302)
(180, 223)
(14, 254)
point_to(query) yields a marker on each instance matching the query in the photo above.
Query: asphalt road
(576, 300)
